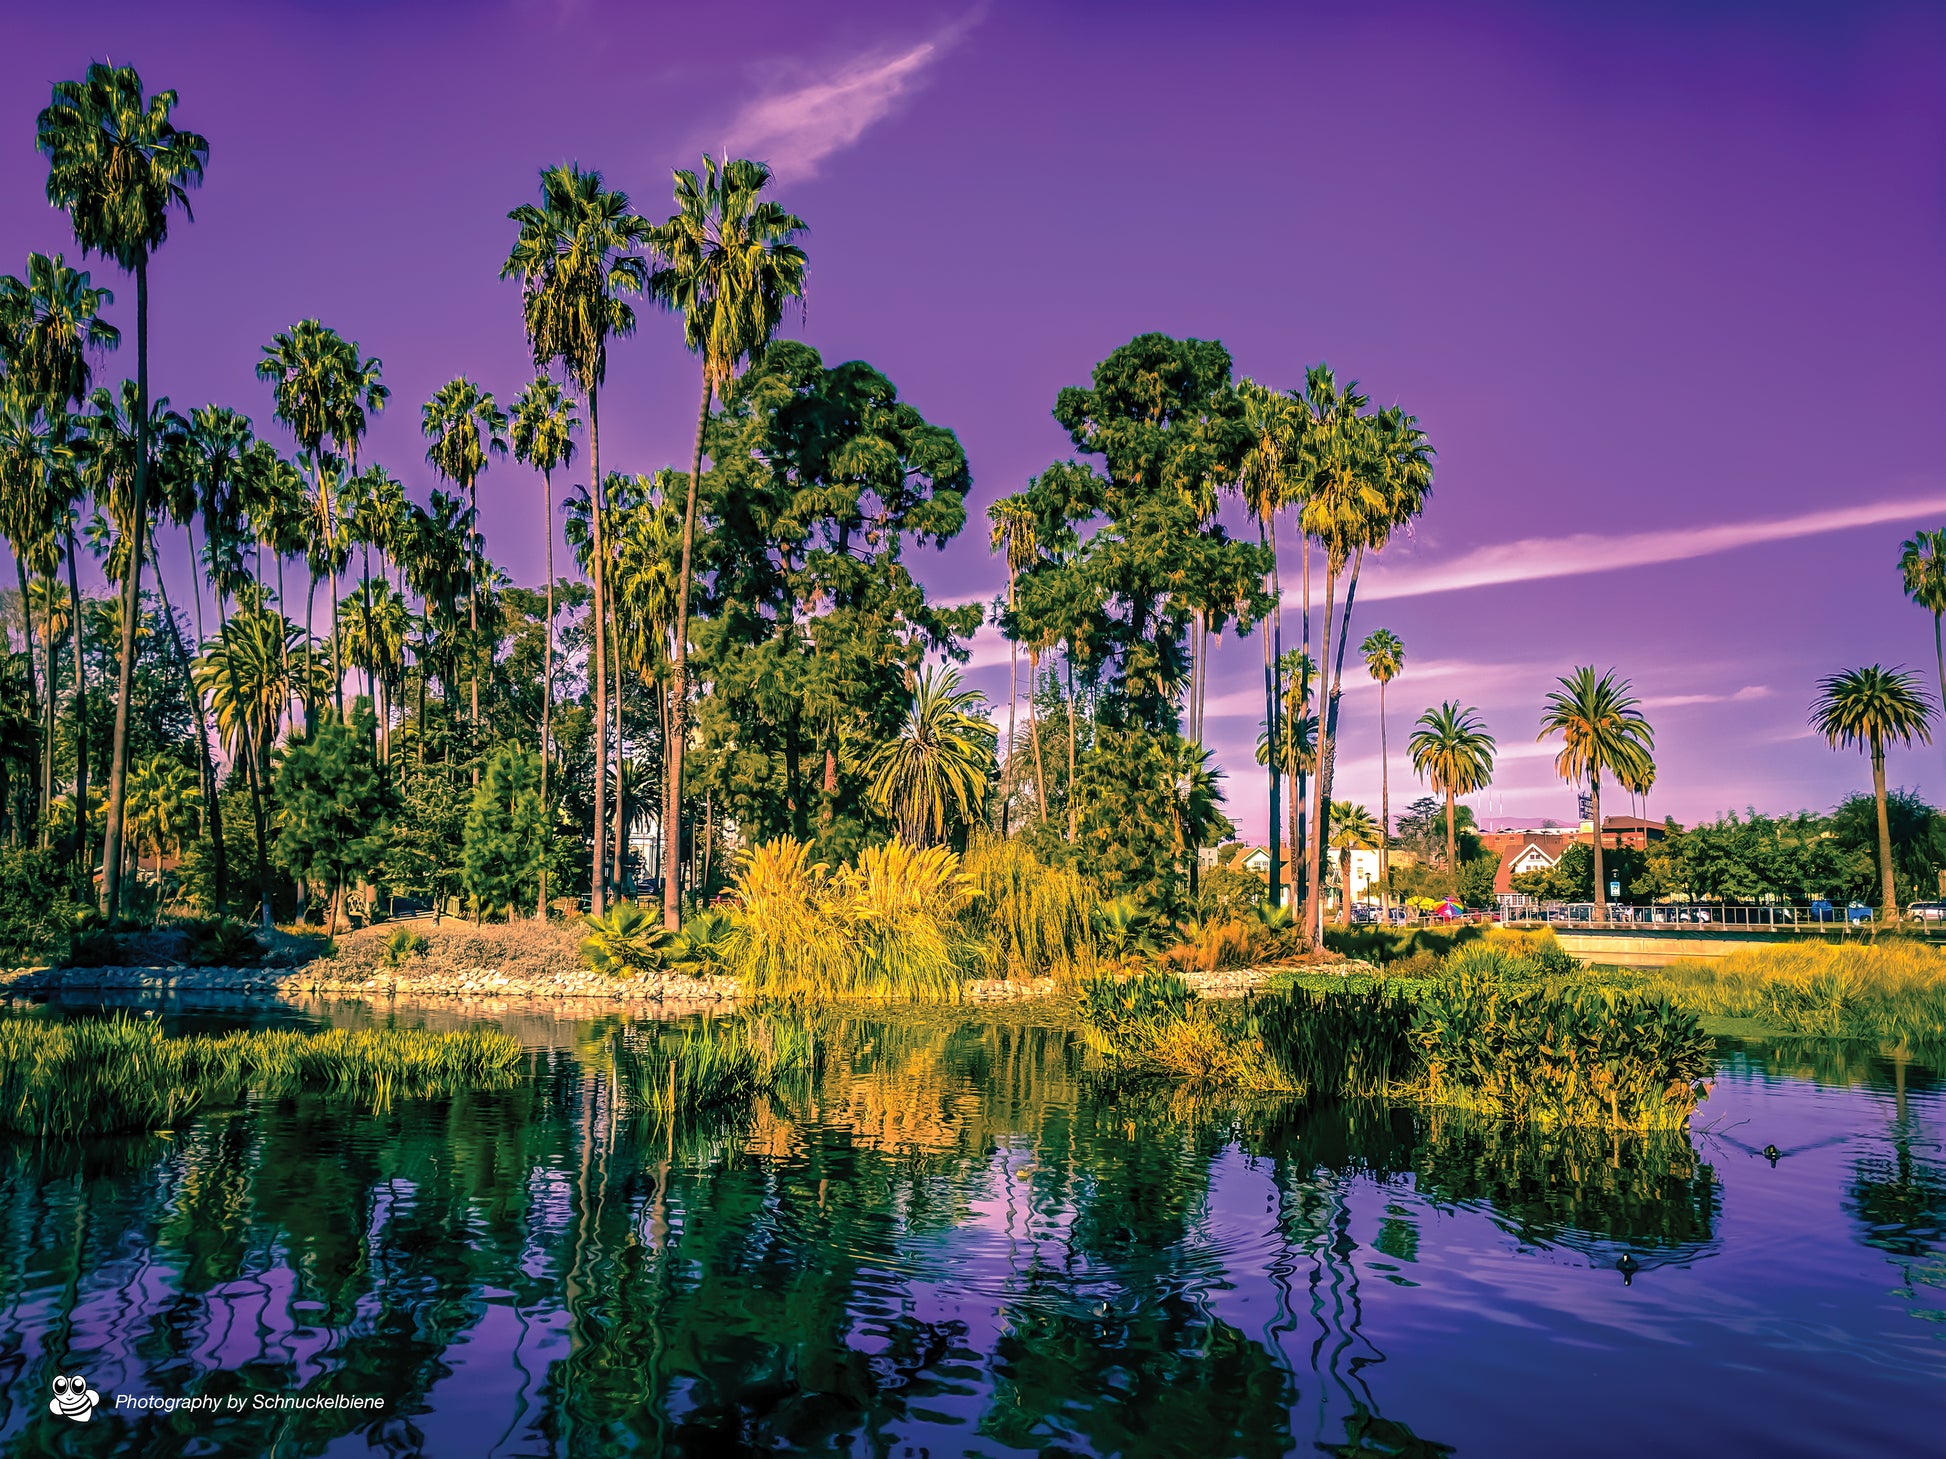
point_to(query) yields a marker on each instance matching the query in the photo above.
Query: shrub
(1339, 1044)
(221, 942)
(625, 941)
(402, 946)
(701, 948)
(38, 908)
(1152, 1026)
(1032, 919)
(1124, 928)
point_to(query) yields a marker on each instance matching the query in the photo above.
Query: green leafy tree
(334, 808)
(728, 261)
(1871, 708)
(1602, 730)
(423, 848)
(505, 847)
(1452, 751)
(119, 166)
(1136, 815)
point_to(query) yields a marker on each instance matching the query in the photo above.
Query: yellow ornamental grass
(886, 927)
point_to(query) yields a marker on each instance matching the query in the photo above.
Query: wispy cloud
(1533, 558)
(796, 129)
(1677, 701)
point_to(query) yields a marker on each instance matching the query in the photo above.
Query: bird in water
(1627, 1266)
(1772, 1154)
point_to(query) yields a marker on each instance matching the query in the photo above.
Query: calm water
(949, 1245)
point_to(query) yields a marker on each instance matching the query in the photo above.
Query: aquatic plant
(625, 941)
(713, 1064)
(1555, 1054)
(1152, 1026)
(1339, 1044)
(63, 1080)
(1891, 990)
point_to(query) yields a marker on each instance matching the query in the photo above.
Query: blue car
(1858, 912)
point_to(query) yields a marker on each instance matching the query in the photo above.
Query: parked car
(1363, 913)
(1822, 910)
(1926, 912)
(1858, 912)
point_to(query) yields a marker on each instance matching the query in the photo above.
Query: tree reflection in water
(945, 1227)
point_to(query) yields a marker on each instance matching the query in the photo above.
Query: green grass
(64, 1080)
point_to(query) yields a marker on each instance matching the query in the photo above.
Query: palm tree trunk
(1452, 840)
(598, 882)
(473, 625)
(1601, 885)
(1034, 728)
(1013, 705)
(1888, 887)
(1328, 721)
(27, 629)
(80, 713)
(1320, 805)
(1073, 806)
(205, 762)
(1274, 740)
(672, 798)
(111, 867)
(1939, 653)
(1384, 814)
(547, 675)
(621, 759)
(47, 715)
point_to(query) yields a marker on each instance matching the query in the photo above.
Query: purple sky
(1667, 288)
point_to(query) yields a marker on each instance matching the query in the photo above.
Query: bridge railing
(1813, 917)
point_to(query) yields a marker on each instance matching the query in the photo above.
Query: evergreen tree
(505, 845)
(335, 807)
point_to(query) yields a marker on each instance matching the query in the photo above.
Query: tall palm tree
(1275, 424)
(1602, 729)
(50, 323)
(118, 165)
(465, 427)
(1922, 563)
(1014, 536)
(1384, 661)
(936, 765)
(577, 260)
(161, 812)
(324, 388)
(245, 672)
(727, 261)
(1452, 751)
(1352, 829)
(36, 457)
(1871, 708)
(544, 424)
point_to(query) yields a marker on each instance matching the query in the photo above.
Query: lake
(949, 1242)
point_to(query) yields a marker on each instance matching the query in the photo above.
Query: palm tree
(323, 389)
(1275, 426)
(118, 165)
(1602, 728)
(1013, 535)
(1352, 829)
(1452, 751)
(1365, 477)
(1195, 804)
(1922, 563)
(937, 763)
(245, 672)
(544, 424)
(375, 642)
(465, 427)
(35, 459)
(161, 812)
(1384, 661)
(576, 258)
(1871, 708)
(50, 324)
(728, 262)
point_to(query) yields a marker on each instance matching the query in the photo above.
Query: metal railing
(1817, 916)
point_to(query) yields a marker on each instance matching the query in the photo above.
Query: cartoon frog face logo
(73, 1398)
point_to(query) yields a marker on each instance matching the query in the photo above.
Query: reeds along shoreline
(710, 1065)
(1893, 992)
(1491, 1040)
(110, 1076)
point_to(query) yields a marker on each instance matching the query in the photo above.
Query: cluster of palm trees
(726, 261)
